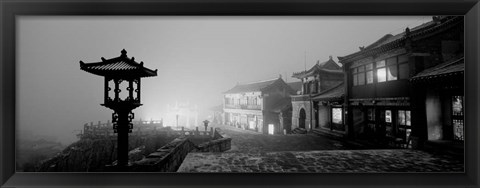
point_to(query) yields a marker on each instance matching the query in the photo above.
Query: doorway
(301, 119)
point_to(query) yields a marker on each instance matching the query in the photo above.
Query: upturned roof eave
(122, 73)
(139, 71)
(416, 34)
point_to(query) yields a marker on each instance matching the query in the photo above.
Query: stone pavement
(245, 141)
(254, 152)
(337, 161)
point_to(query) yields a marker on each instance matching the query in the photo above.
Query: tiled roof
(335, 93)
(327, 67)
(454, 67)
(296, 86)
(118, 67)
(389, 41)
(251, 87)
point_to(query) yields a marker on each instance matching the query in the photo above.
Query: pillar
(122, 141)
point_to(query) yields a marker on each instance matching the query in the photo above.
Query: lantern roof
(121, 66)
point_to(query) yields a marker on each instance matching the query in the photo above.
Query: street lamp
(117, 70)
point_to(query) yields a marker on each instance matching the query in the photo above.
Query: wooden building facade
(319, 78)
(254, 106)
(385, 98)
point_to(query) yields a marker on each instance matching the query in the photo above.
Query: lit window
(369, 77)
(337, 115)
(404, 123)
(361, 69)
(408, 118)
(392, 73)
(361, 78)
(371, 114)
(358, 75)
(369, 66)
(392, 61)
(457, 116)
(381, 75)
(392, 69)
(380, 64)
(404, 117)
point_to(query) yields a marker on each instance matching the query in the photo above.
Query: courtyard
(254, 152)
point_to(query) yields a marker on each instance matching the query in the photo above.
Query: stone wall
(99, 154)
(218, 145)
(169, 157)
(166, 159)
(89, 155)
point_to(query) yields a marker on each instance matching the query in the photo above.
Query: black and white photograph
(240, 94)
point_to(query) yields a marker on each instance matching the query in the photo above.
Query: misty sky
(197, 59)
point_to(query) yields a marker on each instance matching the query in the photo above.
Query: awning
(450, 68)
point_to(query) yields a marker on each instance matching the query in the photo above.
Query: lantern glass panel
(123, 95)
(111, 88)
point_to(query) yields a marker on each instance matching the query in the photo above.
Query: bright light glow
(381, 75)
(182, 115)
(270, 128)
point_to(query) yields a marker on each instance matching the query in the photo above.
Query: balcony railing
(241, 106)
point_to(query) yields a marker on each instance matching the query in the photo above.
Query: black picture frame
(11, 8)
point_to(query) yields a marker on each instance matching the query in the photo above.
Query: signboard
(388, 116)
(337, 115)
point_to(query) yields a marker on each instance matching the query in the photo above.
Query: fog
(197, 59)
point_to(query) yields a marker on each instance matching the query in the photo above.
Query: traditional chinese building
(319, 78)
(389, 84)
(330, 110)
(254, 106)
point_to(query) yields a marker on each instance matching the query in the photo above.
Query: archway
(301, 119)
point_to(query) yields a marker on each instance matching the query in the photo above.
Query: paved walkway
(254, 152)
(338, 161)
(246, 141)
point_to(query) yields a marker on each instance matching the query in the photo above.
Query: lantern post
(116, 71)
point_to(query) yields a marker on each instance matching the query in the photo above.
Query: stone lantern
(205, 123)
(121, 74)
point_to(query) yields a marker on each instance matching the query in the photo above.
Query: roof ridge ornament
(103, 59)
(124, 53)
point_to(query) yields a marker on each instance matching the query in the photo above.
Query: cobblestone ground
(254, 152)
(338, 161)
(246, 141)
